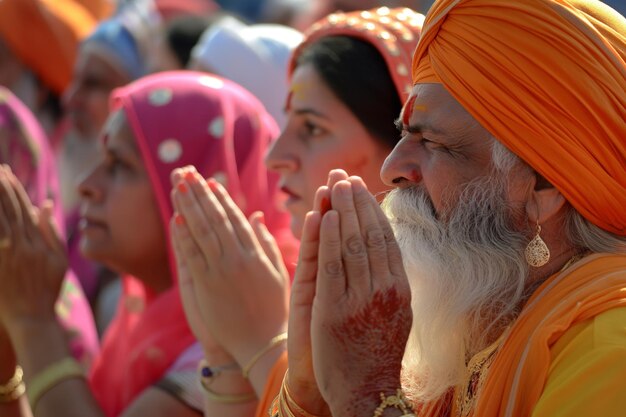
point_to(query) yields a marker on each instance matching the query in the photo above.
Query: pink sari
(183, 118)
(23, 146)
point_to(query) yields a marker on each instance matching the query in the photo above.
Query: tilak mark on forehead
(298, 91)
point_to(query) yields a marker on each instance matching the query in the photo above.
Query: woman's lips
(86, 224)
(291, 196)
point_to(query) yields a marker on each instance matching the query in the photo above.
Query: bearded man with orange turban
(509, 214)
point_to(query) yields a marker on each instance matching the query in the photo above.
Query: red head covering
(169, 9)
(44, 35)
(394, 33)
(184, 118)
(548, 79)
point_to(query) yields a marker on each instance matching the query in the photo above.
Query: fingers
(331, 280)
(240, 224)
(321, 202)
(10, 207)
(267, 242)
(26, 207)
(306, 270)
(355, 256)
(189, 258)
(205, 219)
(371, 231)
(394, 256)
(335, 176)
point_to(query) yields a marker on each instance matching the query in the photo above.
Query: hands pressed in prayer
(300, 378)
(233, 280)
(360, 313)
(33, 261)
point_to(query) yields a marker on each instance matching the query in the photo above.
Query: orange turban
(548, 79)
(44, 35)
(99, 9)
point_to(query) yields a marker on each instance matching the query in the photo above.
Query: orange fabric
(518, 375)
(272, 386)
(44, 35)
(99, 9)
(393, 32)
(548, 79)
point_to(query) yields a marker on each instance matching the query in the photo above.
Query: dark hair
(182, 34)
(358, 75)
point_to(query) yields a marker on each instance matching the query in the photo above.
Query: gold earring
(537, 252)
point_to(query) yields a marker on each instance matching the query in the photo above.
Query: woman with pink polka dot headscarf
(149, 355)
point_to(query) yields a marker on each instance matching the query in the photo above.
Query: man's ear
(544, 202)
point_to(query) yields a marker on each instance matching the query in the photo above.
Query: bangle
(397, 401)
(14, 388)
(51, 376)
(272, 343)
(208, 373)
(226, 398)
(284, 405)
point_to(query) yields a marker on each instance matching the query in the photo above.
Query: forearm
(40, 344)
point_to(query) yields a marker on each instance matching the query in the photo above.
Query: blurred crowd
(167, 170)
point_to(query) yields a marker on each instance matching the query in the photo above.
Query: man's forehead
(432, 104)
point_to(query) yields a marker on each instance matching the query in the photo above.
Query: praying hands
(360, 314)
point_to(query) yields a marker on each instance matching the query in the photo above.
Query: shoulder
(588, 369)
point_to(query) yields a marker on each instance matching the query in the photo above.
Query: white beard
(467, 274)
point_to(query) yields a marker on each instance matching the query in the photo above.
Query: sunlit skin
(87, 98)
(120, 222)
(321, 134)
(442, 147)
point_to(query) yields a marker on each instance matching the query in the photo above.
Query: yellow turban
(548, 79)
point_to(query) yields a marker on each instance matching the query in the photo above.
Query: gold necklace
(577, 257)
(478, 366)
(475, 375)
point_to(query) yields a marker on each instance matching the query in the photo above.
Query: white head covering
(254, 57)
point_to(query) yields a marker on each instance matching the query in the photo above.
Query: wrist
(224, 384)
(32, 355)
(261, 370)
(307, 395)
(8, 362)
(22, 327)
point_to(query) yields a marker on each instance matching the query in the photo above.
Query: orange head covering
(394, 33)
(44, 35)
(99, 9)
(548, 79)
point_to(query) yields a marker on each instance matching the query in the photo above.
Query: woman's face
(87, 98)
(321, 134)
(120, 223)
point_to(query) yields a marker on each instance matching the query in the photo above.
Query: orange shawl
(518, 374)
(272, 386)
(548, 79)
